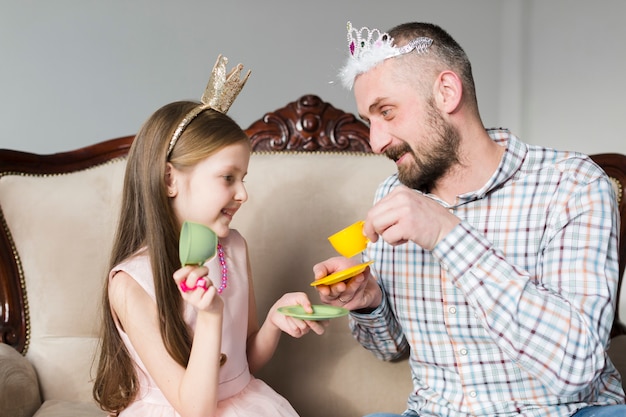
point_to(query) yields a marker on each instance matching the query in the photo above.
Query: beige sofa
(311, 174)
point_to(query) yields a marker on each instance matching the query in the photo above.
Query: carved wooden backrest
(309, 124)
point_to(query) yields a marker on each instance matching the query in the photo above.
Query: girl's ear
(448, 90)
(170, 180)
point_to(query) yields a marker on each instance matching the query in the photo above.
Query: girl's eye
(228, 178)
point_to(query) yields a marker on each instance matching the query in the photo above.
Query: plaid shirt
(510, 314)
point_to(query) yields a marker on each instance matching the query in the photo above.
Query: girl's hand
(198, 290)
(290, 325)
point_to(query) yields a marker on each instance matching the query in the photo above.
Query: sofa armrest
(19, 388)
(617, 353)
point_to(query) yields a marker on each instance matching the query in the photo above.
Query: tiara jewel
(370, 47)
(219, 94)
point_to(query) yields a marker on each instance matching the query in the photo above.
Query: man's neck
(479, 157)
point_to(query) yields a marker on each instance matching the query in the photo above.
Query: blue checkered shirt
(510, 314)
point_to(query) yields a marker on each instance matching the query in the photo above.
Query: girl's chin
(221, 229)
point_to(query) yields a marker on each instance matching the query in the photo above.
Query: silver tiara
(370, 47)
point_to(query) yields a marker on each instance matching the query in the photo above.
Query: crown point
(219, 94)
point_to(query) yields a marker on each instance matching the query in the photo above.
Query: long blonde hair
(148, 220)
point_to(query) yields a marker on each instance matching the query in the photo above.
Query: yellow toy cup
(349, 241)
(197, 244)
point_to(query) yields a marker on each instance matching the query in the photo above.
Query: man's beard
(431, 160)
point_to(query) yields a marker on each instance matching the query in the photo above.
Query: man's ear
(170, 180)
(448, 90)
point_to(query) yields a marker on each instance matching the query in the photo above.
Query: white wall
(576, 75)
(74, 72)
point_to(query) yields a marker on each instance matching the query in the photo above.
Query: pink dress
(240, 394)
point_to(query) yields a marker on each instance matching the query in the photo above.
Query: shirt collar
(512, 160)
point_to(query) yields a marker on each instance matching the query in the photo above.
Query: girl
(186, 341)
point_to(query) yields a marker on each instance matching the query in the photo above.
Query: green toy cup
(349, 241)
(197, 244)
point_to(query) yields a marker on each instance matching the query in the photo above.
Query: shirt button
(463, 351)
(473, 394)
(452, 310)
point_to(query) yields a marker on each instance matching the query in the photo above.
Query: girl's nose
(241, 194)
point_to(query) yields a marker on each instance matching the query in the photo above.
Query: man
(495, 262)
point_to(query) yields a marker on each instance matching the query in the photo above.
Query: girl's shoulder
(138, 262)
(138, 267)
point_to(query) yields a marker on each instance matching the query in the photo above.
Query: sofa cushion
(59, 408)
(297, 200)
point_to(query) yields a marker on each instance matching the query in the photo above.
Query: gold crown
(219, 94)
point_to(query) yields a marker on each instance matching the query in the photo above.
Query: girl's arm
(192, 391)
(262, 342)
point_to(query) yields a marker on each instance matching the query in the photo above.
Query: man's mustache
(397, 151)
